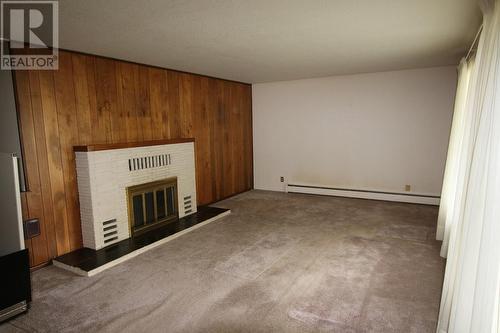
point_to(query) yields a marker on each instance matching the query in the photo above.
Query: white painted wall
(377, 131)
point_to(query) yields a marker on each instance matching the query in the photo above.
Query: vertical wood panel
(239, 170)
(201, 128)
(98, 117)
(68, 137)
(82, 98)
(159, 107)
(33, 200)
(105, 93)
(186, 104)
(47, 234)
(127, 84)
(54, 159)
(211, 96)
(228, 144)
(219, 135)
(142, 91)
(173, 101)
(96, 100)
(248, 136)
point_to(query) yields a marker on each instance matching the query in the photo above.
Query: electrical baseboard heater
(364, 194)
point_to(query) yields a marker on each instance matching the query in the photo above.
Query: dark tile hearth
(87, 259)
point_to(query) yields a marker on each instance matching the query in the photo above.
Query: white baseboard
(365, 194)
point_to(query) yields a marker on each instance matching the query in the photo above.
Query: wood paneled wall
(92, 99)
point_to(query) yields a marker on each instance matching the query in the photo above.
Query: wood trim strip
(109, 146)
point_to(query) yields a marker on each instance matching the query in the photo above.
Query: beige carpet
(279, 263)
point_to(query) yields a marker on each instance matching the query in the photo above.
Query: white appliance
(11, 227)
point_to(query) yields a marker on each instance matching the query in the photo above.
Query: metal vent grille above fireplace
(148, 162)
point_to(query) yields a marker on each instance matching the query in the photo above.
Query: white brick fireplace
(104, 173)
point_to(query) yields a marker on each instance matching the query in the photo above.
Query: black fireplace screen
(152, 205)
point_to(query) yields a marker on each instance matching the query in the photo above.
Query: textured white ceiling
(270, 40)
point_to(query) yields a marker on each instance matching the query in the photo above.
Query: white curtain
(453, 158)
(471, 287)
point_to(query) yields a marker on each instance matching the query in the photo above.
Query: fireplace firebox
(152, 205)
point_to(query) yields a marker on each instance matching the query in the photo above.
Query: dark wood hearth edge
(109, 146)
